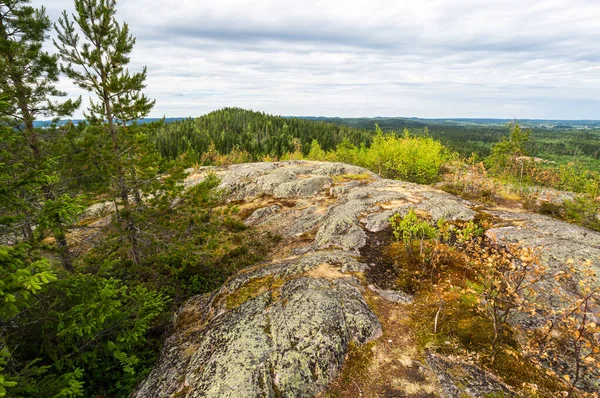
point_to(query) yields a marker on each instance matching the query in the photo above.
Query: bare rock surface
(561, 246)
(558, 241)
(283, 328)
(460, 379)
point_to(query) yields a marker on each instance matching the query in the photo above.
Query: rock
(392, 295)
(377, 222)
(558, 239)
(283, 328)
(99, 210)
(260, 215)
(289, 341)
(558, 242)
(461, 379)
(304, 187)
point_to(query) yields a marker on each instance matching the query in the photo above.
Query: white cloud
(435, 58)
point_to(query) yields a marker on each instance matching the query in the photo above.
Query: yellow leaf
(567, 377)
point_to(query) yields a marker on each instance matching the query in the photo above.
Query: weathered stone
(290, 347)
(304, 187)
(377, 222)
(99, 210)
(392, 295)
(460, 379)
(557, 241)
(260, 215)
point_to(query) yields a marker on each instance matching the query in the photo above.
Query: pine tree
(28, 77)
(95, 49)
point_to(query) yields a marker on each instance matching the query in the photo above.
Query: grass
(365, 177)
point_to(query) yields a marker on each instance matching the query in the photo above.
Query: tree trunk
(65, 254)
(127, 219)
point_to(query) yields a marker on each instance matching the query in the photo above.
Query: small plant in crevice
(410, 229)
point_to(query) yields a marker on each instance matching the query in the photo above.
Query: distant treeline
(261, 134)
(257, 133)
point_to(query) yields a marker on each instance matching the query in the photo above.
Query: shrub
(410, 228)
(414, 159)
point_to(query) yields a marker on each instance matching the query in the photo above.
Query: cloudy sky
(350, 58)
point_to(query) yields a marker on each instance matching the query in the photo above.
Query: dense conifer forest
(261, 134)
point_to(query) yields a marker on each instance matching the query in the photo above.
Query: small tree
(316, 152)
(95, 49)
(410, 228)
(29, 74)
(504, 157)
(28, 81)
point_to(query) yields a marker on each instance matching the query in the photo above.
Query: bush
(410, 228)
(414, 159)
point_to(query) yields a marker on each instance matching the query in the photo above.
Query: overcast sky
(350, 58)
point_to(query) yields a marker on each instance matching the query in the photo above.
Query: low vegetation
(470, 295)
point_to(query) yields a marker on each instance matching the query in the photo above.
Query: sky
(364, 58)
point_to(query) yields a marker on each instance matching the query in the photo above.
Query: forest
(94, 255)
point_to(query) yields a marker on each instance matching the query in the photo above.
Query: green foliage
(40, 381)
(410, 228)
(29, 73)
(408, 158)
(316, 152)
(29, 77)
(20, 279)
(469, 232)
(4, 383)
(95, 49)
(256, 133)
(92, 334)
(505, 156)
(60, 212)
(584, 210)
(102, 46)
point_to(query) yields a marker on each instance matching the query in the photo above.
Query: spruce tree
(95, 49)
(28, 77)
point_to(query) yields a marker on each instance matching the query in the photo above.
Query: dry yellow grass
(326, 271)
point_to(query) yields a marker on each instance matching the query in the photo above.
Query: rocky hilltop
(290, 326)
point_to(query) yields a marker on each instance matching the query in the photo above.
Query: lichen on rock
(283, 328)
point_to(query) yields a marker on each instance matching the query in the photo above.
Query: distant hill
(45, 123)
(412, 122)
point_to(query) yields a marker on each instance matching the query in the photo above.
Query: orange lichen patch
(394, 204)
(322, 209)
(389, 366)
(326, 271)
(510, 205)
(89, 221)
(247, 208)
(410, 195)
(80, 238)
